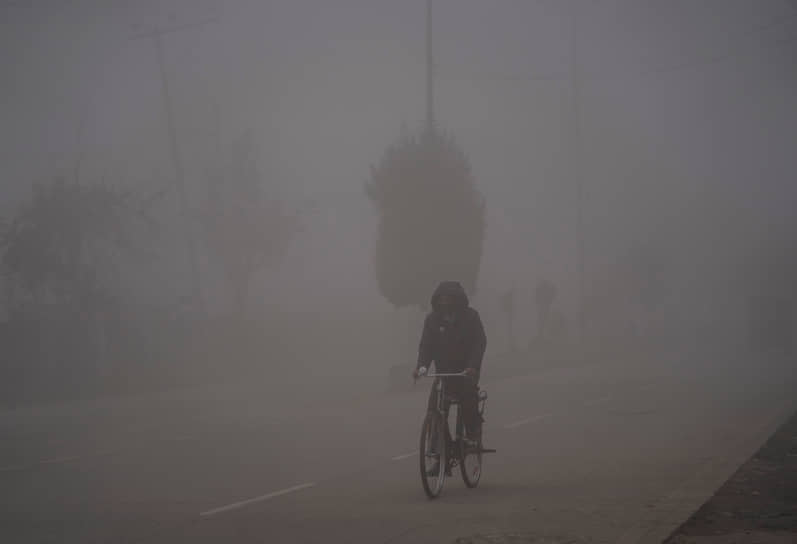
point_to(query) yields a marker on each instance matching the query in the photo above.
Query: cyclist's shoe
(472, 446)
(474, 438)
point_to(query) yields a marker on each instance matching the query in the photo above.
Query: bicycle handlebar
(448, 375)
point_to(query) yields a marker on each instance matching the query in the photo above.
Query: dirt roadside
(758, 504)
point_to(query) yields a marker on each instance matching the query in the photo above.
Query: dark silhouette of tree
(244, 230)
(63, 246)
(62, 258)
(431, 224)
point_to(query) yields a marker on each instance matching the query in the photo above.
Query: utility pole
(429, 69)
(157, 34)
(577, 154)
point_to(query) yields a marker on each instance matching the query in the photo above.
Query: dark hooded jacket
(454, 342)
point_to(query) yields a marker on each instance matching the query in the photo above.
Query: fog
(682, 142)
(639, 156)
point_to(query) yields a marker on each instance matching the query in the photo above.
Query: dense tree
(64, 244)
(431, 224)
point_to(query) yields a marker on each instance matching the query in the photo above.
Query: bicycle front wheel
(433, 455)
(470, 462)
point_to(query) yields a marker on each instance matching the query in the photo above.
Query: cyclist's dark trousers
(467, 392)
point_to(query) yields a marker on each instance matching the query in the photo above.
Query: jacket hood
(454, 290)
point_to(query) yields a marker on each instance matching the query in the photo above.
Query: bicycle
(440, 452)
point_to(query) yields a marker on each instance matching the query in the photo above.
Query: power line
(464, 75)
(562, 76)
(160, 31)
(715, 58)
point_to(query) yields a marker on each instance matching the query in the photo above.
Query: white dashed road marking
(253, 500)
(404, 456)
(526, 421)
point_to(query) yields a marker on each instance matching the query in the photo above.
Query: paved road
(610, 452)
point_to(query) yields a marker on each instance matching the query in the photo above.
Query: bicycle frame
(443, 406)
(441, 397)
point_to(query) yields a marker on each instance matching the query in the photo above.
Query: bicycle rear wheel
(433, 455)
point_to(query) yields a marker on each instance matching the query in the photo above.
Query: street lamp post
(429, 69)
(576, 153)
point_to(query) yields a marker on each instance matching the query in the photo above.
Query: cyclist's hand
(418, 372)
(470, 372)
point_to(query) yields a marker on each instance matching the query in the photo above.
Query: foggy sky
(688, 117)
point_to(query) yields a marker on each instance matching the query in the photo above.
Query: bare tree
(245, 230)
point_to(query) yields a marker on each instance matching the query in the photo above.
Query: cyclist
(453, 337)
